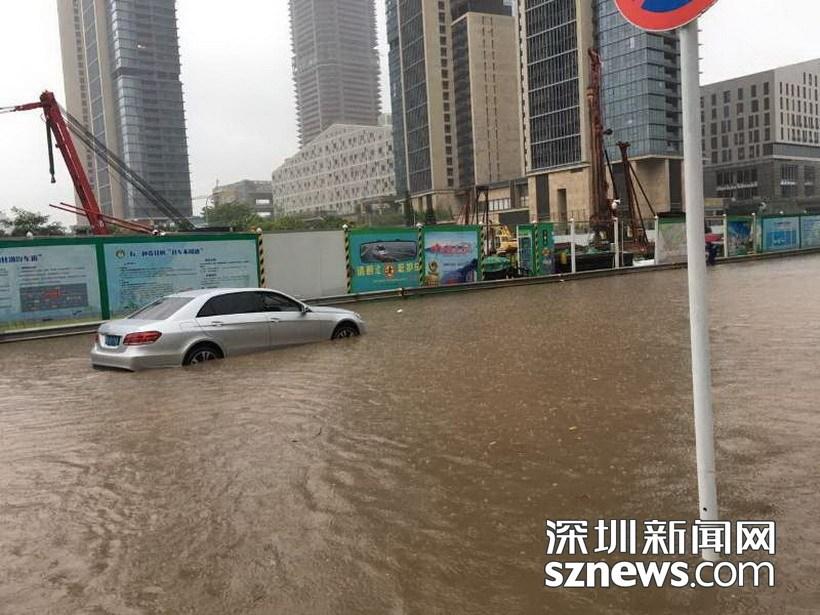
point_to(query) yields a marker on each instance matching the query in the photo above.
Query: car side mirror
(305, 309)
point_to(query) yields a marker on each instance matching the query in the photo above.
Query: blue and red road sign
(662, 15)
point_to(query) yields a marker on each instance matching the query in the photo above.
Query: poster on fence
(810, 231)
(44, 283)
(526, 248)
(670, 243)
(780, 233)
(740, 236)
(383, 259)
(451, 255)
(141, 271)
(545, 246)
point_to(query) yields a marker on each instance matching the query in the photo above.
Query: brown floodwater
(412, 470)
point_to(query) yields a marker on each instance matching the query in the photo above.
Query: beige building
(257, 194)
(486, 83)
(121, 69)
(453, 74)
(74, 40)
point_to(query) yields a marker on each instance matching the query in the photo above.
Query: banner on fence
(810, 231)
(740, 236)
(545, 249)
(48, 283)
(451, 255)
(526, 248)
(670, 241)
(383, 259)
(780, 233)
(141, 270)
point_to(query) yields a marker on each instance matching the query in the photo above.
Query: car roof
(211, 292)
(202, 292)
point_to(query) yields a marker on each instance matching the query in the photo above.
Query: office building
(554, 37)
(257, 194)
(485, 86)
(341, 171)
(761, 134)
(335, 64)
(453, 79)
(121, 69)
(641, 101)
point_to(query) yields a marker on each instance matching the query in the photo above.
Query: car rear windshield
(161, 308)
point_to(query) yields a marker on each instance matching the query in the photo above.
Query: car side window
(232, 303)
(277, 303)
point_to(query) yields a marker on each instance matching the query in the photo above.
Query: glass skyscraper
(122, 76)
(640, 86)
(335, 64)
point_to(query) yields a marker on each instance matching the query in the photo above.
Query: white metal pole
(572, 243)
(754, 232)
(698, 304)
(725, 236)
(616, 232)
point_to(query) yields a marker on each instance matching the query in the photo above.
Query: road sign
(662, 15)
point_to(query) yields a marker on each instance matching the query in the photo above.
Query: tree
(409, 214)
(430, 214)
(239, 216)
(24, 222)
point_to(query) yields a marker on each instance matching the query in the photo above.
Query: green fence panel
(140, 269)
(452, 254)
(49, 282)
(780, 233)
(810, 231)
(740, 235)
(382, 259)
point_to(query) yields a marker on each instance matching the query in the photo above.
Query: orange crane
(61, 125)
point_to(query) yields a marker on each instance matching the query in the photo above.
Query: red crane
(61, 124)
(56, 126)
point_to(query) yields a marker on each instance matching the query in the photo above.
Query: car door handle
(217, 323)
(272, 319)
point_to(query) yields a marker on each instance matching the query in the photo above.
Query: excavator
(60, 125)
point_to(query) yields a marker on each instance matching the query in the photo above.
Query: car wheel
(202, 353)
(346, 329)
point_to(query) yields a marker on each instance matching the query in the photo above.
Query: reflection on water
(411, 470)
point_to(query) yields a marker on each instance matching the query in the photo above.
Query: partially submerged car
(195, 326)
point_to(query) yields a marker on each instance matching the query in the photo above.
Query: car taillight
(143, 337)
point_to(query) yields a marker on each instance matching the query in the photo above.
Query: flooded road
(411, 470)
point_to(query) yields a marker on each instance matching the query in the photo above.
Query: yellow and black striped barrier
(420, 252)
(260, 246)
(348, 266)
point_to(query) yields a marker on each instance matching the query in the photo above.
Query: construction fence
(73, 280)
(63, 281)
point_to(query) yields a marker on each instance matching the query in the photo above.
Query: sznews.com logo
(672, 542)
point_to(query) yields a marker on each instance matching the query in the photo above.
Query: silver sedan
(201, 325)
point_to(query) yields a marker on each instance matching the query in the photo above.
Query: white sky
(239, 94)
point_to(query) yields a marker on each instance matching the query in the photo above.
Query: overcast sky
(239, 93)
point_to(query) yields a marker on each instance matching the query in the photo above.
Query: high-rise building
(335, 64)
(453, 84)
(122, 78)
(761, 134)
(640, 103)
(554, 38)
(641, 100)
(485, 82)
